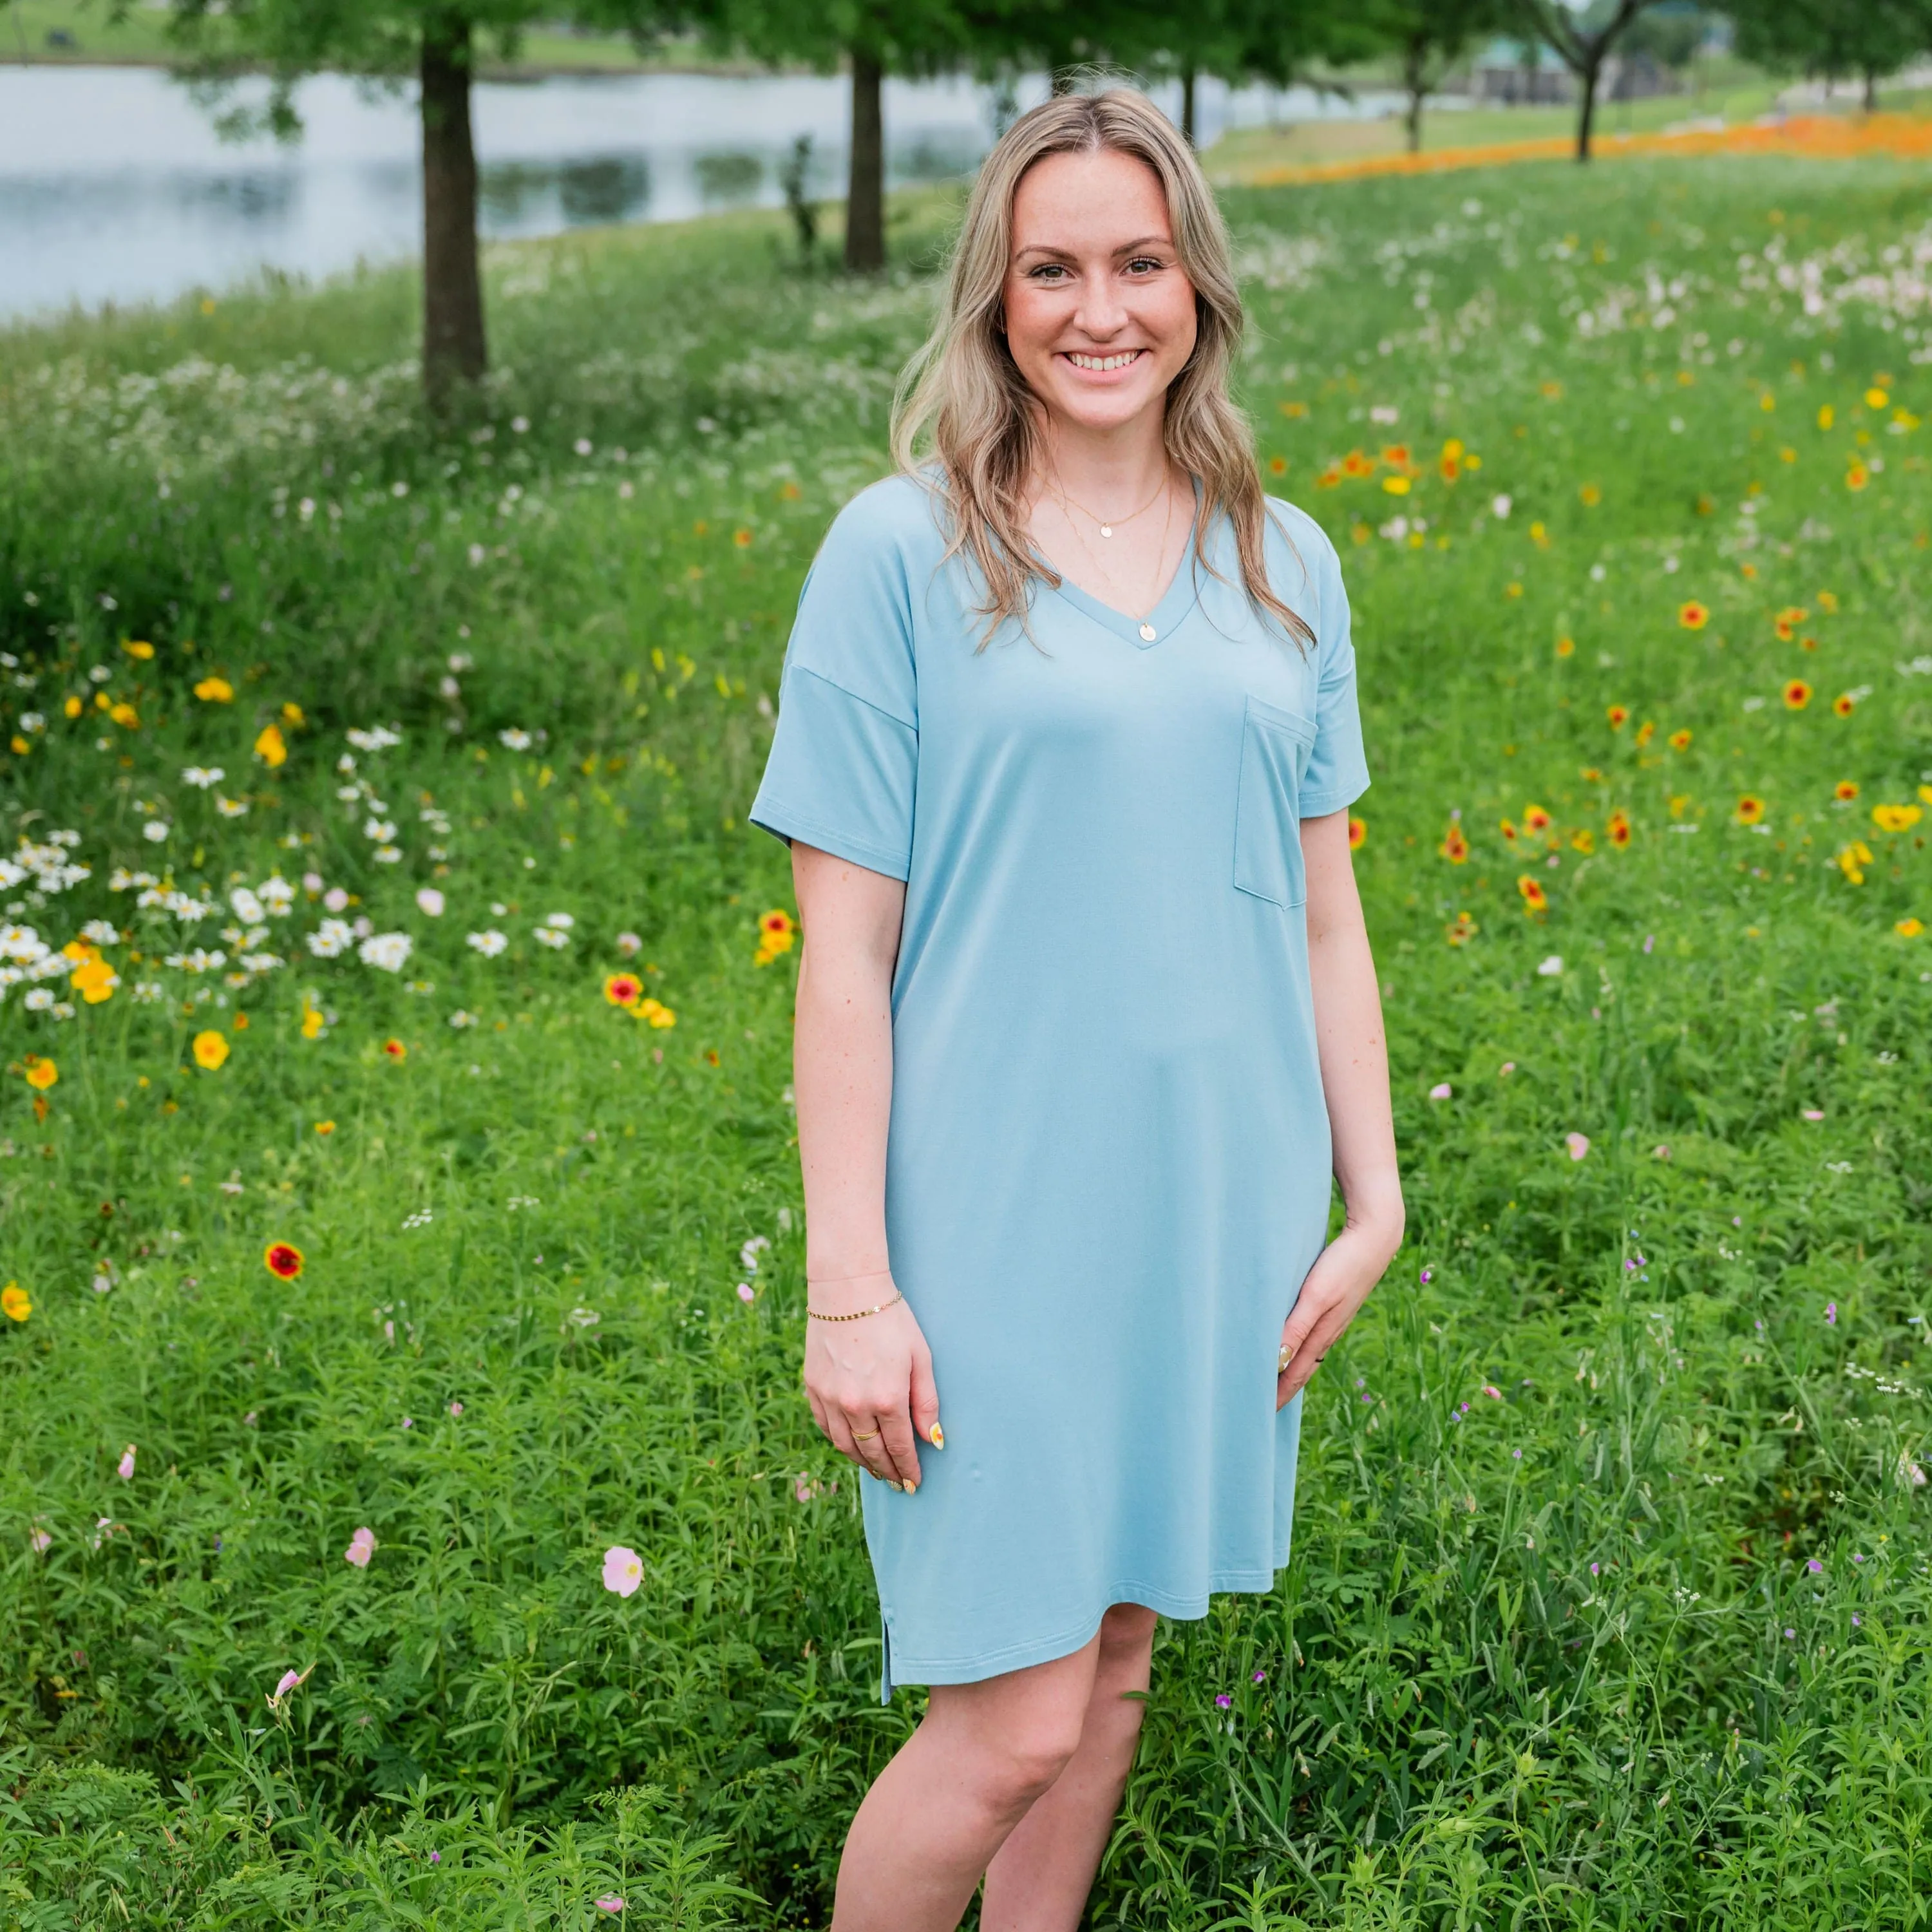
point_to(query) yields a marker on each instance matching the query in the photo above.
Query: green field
(1609, 1604)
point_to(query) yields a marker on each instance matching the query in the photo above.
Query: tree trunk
(1188, 77)
(1871, 91)
(865, 191)
(1586, 113)
(1415, 76)
(453, 345)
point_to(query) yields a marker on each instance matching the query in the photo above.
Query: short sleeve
(844, 759)
(1337, 773)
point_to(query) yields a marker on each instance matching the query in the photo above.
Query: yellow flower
(1876, 398)
(1853, 860)
(1566, 647)
(72, 707)
(1583, 839)
(1845, 789)
(657, 1015)
(1797, 694)
(325, 1128)
(1680, 741)
(1906, 928)
(1827, 602)
(1464, 930)
(1896, 818)
(1857, 476)
(15, 1302)
(1591, 495)
(1535, 899)
(1843, 705)
(269, 747)
(41, 1074)
(95, 980)
(1396, 486)
(1750, 809)
(293, 717)
(139, 648)
(312, 1021)
(1925, 793)
(214, 690)
(1827, 415)
(210, 1049)
(124, 714)
(1693, 615)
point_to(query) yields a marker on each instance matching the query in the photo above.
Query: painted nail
(891, 1483)
(911, 1489)
(936, 1436)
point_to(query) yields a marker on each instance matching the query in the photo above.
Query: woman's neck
(1109, 471)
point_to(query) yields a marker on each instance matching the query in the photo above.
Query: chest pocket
(1275, 745)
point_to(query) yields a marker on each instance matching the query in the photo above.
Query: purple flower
(1261, 1677)
(1516, 1455)
(1790, 1632)
(1814, 1566)
(436, 1858)
(1858, 1622)
(1831, 1314)
(1427, 1275)
(1858, 1559)
(1649, 940)
(1222, 1702)
(1594, 1571)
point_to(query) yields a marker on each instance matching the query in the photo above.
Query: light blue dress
(1108, 1167)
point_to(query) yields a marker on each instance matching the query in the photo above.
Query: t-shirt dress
(1109, 1165)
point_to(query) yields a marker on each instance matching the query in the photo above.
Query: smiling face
(1099, 314)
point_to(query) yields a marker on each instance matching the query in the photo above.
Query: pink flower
(1814, 1113)
(290, 1680)
(1579, 1145)
(1506, 1069)
(429, 901)
(311, 882)
(629, 944)
(746, 1292)
(611, 1903)
(623, 1569)
(1494, 1393)
(804, 1490)
(124, 1468)
(1440, 1092)
(456, 1408)
(39, 1541)
(362, 1547)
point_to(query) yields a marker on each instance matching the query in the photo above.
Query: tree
(1834, 39)
(1429, 36)
(1583, 43)
(437, 42)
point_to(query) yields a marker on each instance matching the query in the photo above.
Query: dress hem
(899, 1668)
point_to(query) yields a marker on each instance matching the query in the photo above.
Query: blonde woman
(1087, 1015)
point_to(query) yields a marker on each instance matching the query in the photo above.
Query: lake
(115, 187)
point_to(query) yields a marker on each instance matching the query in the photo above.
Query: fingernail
(936, 1436)
(891, 1484)
(911, 1488)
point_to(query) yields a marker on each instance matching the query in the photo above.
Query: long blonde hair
(963, 401)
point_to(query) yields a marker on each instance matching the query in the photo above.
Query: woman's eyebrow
(1136, 246)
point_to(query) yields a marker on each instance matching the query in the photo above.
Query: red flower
(282, 1259)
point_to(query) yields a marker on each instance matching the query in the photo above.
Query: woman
(1086, 1014)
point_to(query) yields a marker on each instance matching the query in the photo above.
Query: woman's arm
(871, 1378)
(1354, 1081)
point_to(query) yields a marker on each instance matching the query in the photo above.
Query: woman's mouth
(1104, 365)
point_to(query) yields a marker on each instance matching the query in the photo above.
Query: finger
(926, 1401)
(862, 1432)
(895, 1434)
(1309, 1307)
(818, 1414)
(1309, 1357)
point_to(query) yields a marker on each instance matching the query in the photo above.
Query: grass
(1609, 1604)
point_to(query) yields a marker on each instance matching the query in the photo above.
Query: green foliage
(1862, 39)
(1551, 1651)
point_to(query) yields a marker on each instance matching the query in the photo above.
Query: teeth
(1103, 362)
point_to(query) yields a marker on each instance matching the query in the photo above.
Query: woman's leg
(1040, 1877)
(944, 1805)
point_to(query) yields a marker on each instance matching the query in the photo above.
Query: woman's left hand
(1338, 1284)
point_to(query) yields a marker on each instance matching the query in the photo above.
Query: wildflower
(623, 989)
(1813, 1113)
(1534, 898)
(16, 1304)
(290, 1681)
(1535, 819)
(124, 1468)
(623, 1569)
(1797, 694)
(1845, 789)
(1358, 834)
(394, 1050)
(746, 1292)
(1856, 476)
(1619, 829)
(154, 831)
(1853, 860)
(1786, 622)
(1500, 505)
(95, 980)
(1223, 1701)
(1831, 1314)
(611, 1902)
(214, 690)
(1618, 715)
(1579, 1145)
(629, 944)
(1750, 809)
(325, 1128)
(429, 901)
(210, 1049)
(362, 1547)
(1454, 847)
(1463, 930)
(1591, 496)
(488, 943)
(1583, 839)
(269, 747)
(1843, 705)
(284, 1259)
(1494, 1393)
(1896, 818)
(385, 951)
(1909, 929)
(1397, 485)
(514, 740)
(1693, 615)
(658, 1016)
(1679, 741)
(1441, 1092)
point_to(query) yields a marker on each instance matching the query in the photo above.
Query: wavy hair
(963, 402)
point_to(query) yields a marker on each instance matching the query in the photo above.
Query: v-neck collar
(1166, 617)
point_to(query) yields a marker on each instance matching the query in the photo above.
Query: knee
(1024, 1761)
(1127, 1645)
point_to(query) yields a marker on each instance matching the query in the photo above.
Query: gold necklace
(1166, 525)
(1106, 523)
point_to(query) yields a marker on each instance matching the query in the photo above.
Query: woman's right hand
(870, 1382)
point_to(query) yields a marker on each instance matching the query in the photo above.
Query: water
(115, 187)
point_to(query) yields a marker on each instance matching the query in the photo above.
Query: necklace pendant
(1106, 529)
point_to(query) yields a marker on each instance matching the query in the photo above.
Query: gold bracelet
(858, 1314)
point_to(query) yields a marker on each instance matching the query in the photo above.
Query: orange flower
(1787, 621)
(1906, 928)
(1534, 898)
(16, 1304)
(1619, 829)
(271, 747)
(1693, 615)
(1645, 732)
(41, 1074)
(1454, 847)
(1566, 647)
(210, 1049)
(1750, 809)
(1450, 468)
(1843, 705)
(1277, 465)
(742, 537)
(1356, 464)
(282, 1259)
(776, 933)
(214, 690)
(1618, 715)
(1535, 819)
(1464, 930)
(623, 989)
(1509, 831)
(1396, 455)
(1358, 834)
(394, 1049)
(1583, 839)
(1845, 789)
(1679, 741)
(1857, 476)
(1797, 694)
(1591, 495)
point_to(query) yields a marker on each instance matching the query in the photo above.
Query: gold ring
(863, 1434)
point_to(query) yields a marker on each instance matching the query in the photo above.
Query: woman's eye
(1049, 271)
(1143, 264)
